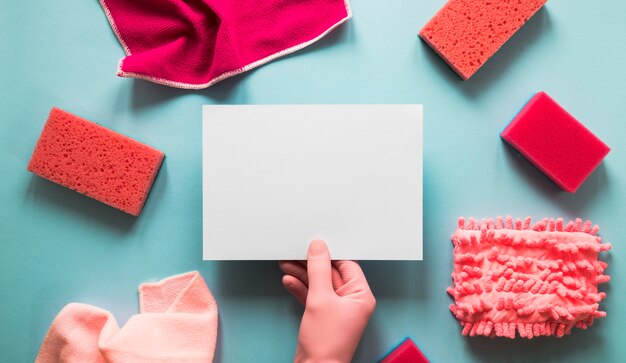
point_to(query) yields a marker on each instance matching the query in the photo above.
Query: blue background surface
(57, 246)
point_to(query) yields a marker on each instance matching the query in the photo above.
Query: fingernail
(317, 247)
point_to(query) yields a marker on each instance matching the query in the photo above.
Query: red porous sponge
(406, 352)
(95, 161)
(555, 142)
(466, 33)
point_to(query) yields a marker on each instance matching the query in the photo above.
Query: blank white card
(276, 177)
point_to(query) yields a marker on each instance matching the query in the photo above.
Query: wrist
(318, 360)
(307, 357)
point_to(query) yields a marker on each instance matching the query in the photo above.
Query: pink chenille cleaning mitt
(177, 323)
(196, 43)
(511, 276)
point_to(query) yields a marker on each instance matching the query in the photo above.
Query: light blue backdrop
(57, 246)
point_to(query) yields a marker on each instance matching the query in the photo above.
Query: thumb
(319, 268)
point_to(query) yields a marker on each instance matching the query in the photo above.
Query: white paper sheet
(277, 176)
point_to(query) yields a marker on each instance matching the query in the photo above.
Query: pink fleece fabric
(196, 43)
(536, 280)
(177, 323)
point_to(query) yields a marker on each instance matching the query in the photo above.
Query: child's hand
(338, 304)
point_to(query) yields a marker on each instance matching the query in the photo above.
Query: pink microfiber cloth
(539, 280)
(177, 323)
(196, 43)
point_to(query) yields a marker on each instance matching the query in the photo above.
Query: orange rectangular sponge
(466, 33)
(95, 161)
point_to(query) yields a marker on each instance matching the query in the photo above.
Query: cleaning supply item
(337, 303)
(406, 352)
(466, 33)
(537, 280)
(95, 161)
(555, 142)
(194, 44)
(177, 323)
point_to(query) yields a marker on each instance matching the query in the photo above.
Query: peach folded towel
(177, 322)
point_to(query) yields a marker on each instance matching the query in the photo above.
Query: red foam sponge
(466, 33)
(553, 140)
(95, 161)
(406, 352)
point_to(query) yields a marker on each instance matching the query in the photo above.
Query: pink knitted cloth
(536, 280)
(177, 323)
(196, 43)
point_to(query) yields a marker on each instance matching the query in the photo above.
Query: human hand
(338, 304)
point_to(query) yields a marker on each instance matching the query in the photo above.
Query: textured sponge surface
(466, 33)
(95, 161)
(406, 352)
(554, 141)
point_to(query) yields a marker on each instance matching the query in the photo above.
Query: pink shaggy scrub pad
(406, 352)
(555, 142)
(95, 161)
(466, 33)
(539, 280)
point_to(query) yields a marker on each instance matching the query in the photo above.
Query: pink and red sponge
(466, 33)
(406, 352)
(95, 161)
(555, 142)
